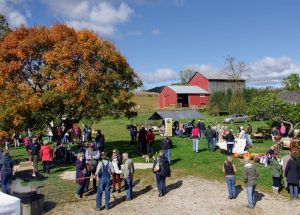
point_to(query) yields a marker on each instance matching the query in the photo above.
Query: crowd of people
(94, 164)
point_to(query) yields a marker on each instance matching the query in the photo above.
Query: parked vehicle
(236, 118)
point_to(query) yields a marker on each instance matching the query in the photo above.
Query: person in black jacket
(292, 172)
(6, 164)
(230, 142)
(166, 145)
(34, 148)
(161, 169)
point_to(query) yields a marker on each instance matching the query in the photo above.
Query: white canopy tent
(9, 205)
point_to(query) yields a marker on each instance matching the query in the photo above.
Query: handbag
(157, 166)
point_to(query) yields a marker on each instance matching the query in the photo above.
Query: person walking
(230, 142)
(80, 175)
(201, 126)
(250, 176)
(104, 171)
(46, 156)
(142, 142)
(116, 160)
(209, 138)
(229, 169)
(276, 173)
(166, 145)
(195, 136)
(6, 164)
(34, 148)
(161, 169)
(292, 173)
(128, 175)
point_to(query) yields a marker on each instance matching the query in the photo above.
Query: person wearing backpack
(195, 136)
(6, 171)
(161, 169)
(100, 140)
(104, 171)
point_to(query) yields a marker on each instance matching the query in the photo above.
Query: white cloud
(100, 16)
(271, 71)
(206, 68)
(161, 75)
(179, 3)
(155, 32)
(12, 10)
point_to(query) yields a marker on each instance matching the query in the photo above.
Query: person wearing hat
(104, 170)
(46, 156)
(242, 134)
(34, 148)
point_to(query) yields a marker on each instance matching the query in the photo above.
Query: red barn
(201, 85)
(183, 96)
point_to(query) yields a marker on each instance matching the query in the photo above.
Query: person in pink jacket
(46, 156)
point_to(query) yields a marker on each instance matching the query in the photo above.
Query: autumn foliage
(50, 73)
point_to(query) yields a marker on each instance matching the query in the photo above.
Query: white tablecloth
(9, 205)
(239, 146)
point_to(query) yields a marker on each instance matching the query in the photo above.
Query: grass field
(186, 163)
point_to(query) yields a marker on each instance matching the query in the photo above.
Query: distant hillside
(146, 101)
(156, 89)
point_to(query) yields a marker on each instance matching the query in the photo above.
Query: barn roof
(188, 90)
(215, 76)
(292, 97)
(176, 115)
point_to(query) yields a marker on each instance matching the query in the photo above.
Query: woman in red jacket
(150, 137)
(46, 156)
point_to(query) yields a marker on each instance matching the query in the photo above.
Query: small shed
(176, 115)
(292, 97)
(183, 96)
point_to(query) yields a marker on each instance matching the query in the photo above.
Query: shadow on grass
(26, 176)
(48, 206)
(61, 169)
(174, 186)
(136, 194)
(175, 161)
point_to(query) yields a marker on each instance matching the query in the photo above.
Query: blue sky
(162, 37)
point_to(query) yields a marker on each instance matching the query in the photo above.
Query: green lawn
(186, 163)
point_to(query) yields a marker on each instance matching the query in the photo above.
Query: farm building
(214, 82)
(183, 96)
(201, 85)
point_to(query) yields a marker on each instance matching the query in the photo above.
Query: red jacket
(46, 153)
(150, 137)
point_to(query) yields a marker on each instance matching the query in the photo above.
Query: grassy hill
(146, 101)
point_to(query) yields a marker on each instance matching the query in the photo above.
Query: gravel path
(185, 196)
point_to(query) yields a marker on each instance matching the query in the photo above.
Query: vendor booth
(239, 146)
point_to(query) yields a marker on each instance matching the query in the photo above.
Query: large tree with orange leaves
(50, 73)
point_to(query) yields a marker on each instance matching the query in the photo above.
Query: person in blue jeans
(229, 169)
(128, 172)
(161, 169)
(6, 172)
(166, 145)
(250, 177)
(195, 135)
(104, 171)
